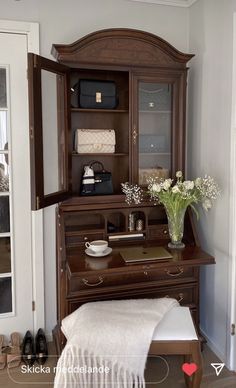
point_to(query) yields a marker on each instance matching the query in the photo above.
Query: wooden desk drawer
(186, 295)
(170, 273)
(74, 239)
(158, 232)
(164, 276)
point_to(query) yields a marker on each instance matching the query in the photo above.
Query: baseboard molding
(214, 348)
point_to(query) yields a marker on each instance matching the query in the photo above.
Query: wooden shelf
(100, 154)
(155, 111)
(154, 224)
(128, 233)
(155, 153)
(78, 229)
(99, 110)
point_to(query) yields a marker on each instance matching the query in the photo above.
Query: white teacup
(97, 246)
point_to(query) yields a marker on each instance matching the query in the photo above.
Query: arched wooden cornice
(121, 47)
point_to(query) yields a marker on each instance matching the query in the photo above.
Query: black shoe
(41, 347)
(28, 355)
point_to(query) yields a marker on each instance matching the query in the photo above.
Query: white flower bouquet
(176, 196)
(184, 193)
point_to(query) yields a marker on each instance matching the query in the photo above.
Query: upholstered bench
(176, 335)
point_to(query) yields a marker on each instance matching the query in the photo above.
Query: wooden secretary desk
(149, 122)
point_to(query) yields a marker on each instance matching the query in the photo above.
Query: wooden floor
(156, 371)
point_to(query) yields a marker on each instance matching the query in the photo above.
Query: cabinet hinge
(233, 329)
(31, 132)
(33, 305)
(37, 203)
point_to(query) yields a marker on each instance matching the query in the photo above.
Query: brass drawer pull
(86, 282)
(175, 274)
(181, 297)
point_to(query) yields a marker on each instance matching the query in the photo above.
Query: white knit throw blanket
(108, 343)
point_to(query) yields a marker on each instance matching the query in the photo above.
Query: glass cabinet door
(49, 131)
(154, 118)
(158, 126)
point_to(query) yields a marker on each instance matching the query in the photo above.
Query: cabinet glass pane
(5, 255)
(53, 133)
(4, 173)
(3, 88)
(5, 295)
(155, 107)
(4, 214)
(4, 168)
(3, 130)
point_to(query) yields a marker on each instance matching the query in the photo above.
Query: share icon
(218, 367)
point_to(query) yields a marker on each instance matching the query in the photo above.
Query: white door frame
(31, 30)
(231, 343)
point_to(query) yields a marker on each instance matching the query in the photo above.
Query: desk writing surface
(79, 264)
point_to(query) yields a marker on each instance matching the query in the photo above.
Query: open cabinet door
(50, 146)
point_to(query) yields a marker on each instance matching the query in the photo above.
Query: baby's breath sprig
(133, 193)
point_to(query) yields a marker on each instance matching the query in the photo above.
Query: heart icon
(189, 369)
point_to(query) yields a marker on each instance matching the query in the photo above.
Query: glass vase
(176, 227)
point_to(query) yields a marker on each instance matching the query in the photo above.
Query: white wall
(209, 124)
(64, 21)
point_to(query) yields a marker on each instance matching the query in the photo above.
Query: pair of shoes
(3, 356)
(34, 351)
(12, 358)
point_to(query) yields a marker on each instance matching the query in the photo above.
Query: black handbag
(97, 94)
(96, 181)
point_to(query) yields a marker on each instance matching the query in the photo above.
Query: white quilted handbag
(95, 141)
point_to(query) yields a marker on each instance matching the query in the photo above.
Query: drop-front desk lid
(79, 264)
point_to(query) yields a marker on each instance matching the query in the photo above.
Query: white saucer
(107, 251)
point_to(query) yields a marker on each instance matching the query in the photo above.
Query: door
(15, 215)
(49, 101)
(158, 126)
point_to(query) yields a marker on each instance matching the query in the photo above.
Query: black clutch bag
(97, 94)
(96, 181)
